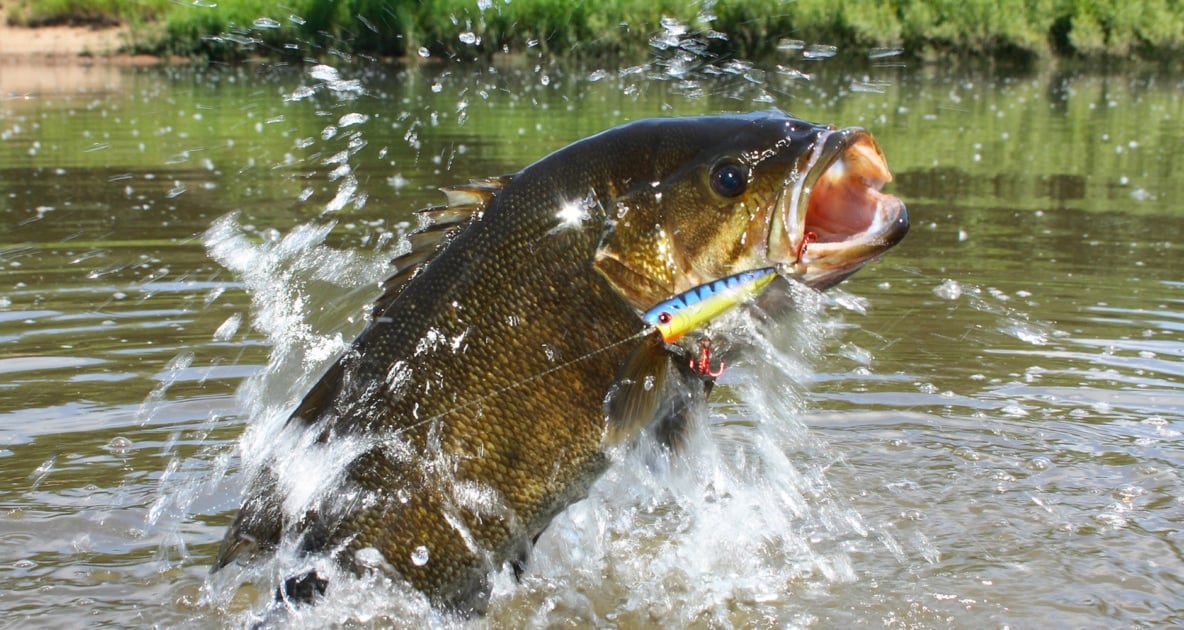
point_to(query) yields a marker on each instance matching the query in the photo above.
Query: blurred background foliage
(468, 29)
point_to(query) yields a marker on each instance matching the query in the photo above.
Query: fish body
(502, 359)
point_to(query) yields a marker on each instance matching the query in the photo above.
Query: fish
(502, 361)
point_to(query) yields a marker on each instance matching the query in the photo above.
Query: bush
(623, 28)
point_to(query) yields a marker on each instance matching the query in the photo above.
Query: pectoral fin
(685, 404)
(636, 397)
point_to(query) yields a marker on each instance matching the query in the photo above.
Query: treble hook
(702, 365)
(807, 238)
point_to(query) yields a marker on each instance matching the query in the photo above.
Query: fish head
(725, 194)
(834, 217)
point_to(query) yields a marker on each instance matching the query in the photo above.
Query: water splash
(721, 532)
(327, 79)
(717, 533)
(279, 273)
(172, 371)
(227, 330)
(276, 274)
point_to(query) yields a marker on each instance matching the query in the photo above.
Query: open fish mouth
(835, 219)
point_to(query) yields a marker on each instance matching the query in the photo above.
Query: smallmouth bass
(481, 399)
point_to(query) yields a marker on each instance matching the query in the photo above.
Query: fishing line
(671, 319)
(497, 392)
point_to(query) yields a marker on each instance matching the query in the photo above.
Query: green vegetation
(84, 12)
(1003, 29)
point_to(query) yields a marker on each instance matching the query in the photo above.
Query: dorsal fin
(320, 397)
(439, 224)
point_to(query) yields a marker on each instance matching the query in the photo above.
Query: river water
(981, 430)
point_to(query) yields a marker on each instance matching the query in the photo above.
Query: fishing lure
(691, 309)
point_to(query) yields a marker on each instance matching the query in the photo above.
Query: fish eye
(665, 317)
(729, 179)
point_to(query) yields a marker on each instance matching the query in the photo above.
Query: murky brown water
(988, 432)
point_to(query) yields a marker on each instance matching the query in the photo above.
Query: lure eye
(729, 179)
(665, 317)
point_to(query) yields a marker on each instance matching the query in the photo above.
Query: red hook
(807, 238)
(702, 365)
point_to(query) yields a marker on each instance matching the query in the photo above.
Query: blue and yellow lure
(691, 309)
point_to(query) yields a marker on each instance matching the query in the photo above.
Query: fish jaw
(835, 218)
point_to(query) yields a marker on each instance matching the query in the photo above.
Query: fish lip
(835, 196)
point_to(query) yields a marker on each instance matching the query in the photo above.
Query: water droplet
(228, 328)
(881, 53)
(266, 22)
(321, 72)
(856, 353)
(41, 471)
(352, 119)
(369, 557)
(948, 290)
(119, 445)
(820, 51)
(790, 45)
(419, 557)
(424, 52)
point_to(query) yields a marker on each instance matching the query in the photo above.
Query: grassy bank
(1003, 29)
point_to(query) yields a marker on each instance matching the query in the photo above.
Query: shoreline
(53, 60)
(70, 44)
(26, 52)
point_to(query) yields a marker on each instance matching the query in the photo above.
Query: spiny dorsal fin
(466, 203)
(478, 192)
